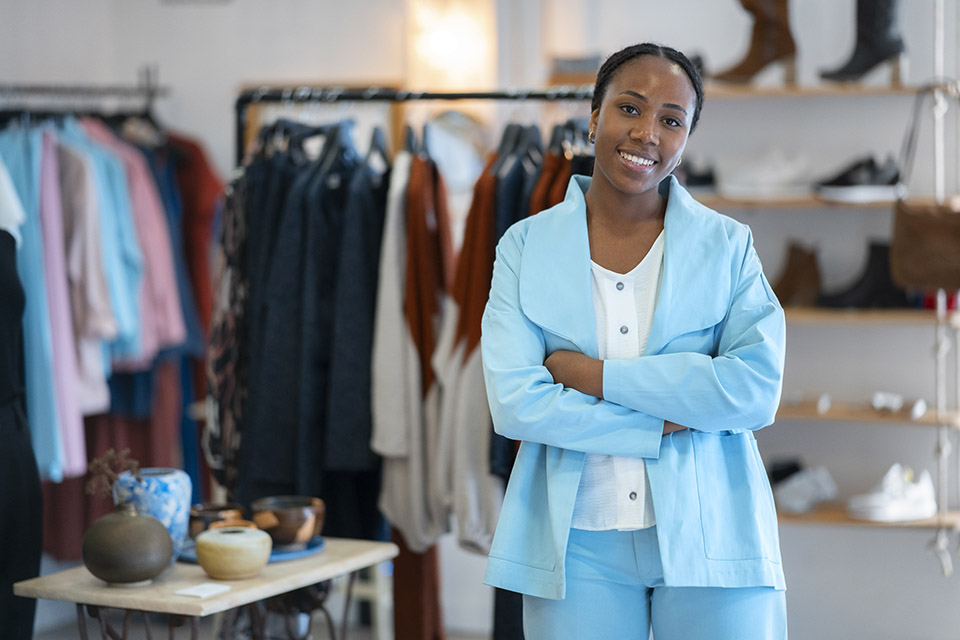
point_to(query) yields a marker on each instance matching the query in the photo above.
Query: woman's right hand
(670, 427)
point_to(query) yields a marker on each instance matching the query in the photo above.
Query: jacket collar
(555, 287)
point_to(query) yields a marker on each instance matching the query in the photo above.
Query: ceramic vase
(126, 547)
(163, 493)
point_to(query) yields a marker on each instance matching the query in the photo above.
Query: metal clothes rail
(328, 95)
(52, 99)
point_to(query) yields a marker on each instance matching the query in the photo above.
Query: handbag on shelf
(925, 245)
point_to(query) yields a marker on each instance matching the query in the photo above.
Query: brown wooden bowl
(244, 524)
(292, 521)
(204, 514)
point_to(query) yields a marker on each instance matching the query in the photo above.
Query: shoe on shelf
(696, 175)
(798, 284)
(801, 491)
(770, 42)
(898, 498)
(766, 175)
(873, 289)
(864, 180)
(878, 41)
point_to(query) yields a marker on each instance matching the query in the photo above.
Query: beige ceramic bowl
(233, 553)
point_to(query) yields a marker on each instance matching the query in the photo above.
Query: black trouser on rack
(21, 515)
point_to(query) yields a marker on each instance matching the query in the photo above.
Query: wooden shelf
(720, 203)
(719, 90)
(863, 414)
(836, 514)
(892, 317)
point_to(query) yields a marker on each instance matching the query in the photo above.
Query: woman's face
(642, 124)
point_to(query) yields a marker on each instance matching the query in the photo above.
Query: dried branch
(105, 470)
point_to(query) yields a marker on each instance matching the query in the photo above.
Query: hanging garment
(92, 314)
(82, 160)
(228, 353)
(477, 493)
(349, 415)
(540, 197)
(161, 314)
(406, 499)
(54, 224)
(161, 163)
(202, 193)
(271, 443)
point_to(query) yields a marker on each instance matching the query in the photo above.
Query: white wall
(843, 582)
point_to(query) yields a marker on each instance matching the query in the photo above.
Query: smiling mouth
(636, 160)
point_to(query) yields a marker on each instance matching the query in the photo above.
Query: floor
(159, 629)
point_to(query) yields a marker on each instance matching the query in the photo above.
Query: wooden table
(339, 557)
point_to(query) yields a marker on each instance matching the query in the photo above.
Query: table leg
(346, 605)
(82, 622)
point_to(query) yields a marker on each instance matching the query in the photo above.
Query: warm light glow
(451, 43)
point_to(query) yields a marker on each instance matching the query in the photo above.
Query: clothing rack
(37, 99)
(329, 95)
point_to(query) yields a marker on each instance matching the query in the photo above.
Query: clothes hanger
(508, 144)
(409, 140)
(339, 149)
(378, 149)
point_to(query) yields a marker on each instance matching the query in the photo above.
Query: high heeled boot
(878, 41)
(770, 41)
(799, 281)
(874, 288)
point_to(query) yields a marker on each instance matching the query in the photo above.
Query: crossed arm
(585, 374)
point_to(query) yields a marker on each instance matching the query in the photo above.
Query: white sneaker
(898, 498)
(771, 174)
(801, 491)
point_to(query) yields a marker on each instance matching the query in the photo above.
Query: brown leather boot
(799, 282)
(771, 41)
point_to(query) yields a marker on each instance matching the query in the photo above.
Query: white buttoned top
(614, 492)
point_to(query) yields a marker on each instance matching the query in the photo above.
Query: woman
(632, 343)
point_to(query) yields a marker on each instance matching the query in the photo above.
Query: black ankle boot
(878, 41)
(874, 288)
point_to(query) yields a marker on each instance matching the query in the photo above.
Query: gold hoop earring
(592, 137)
(679, 162)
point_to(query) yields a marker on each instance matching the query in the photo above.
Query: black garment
(349, 415)
(21, 499)
(312, 302)
(268, 449)
(510, 184)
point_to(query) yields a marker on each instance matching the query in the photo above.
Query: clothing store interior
(255, 241)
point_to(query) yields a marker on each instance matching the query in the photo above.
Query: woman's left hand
(575, 370)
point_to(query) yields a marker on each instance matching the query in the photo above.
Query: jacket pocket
(736, 504)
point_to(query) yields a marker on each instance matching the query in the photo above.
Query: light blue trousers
(615, 590)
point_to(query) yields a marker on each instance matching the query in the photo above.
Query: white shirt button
(624, 329)
(619, 286)
(633, 495)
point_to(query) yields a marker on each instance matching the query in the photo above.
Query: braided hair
(618, 59)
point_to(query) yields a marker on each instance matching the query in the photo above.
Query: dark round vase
(125, 546)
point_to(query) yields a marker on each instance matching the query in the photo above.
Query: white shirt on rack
(614, 491)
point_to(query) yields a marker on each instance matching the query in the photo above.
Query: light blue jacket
(713, 362)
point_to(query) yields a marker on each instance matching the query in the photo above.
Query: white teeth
(643, 162)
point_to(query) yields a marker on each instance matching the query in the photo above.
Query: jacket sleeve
(737, 389)
(525, 402)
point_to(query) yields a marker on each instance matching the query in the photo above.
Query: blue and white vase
(164, 493)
